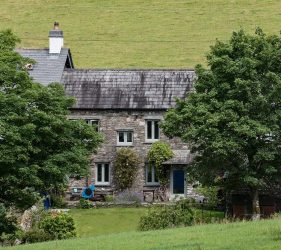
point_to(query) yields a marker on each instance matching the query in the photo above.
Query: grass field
(137, 33)
(91, 222)
(233, 236)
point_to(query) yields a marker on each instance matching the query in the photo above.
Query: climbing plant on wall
(157, 155)
(125, 168)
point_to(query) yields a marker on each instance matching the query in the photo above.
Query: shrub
(109, 198)
(170, 216)
(125, 168)
(210, 193)
(128, 196)
(8, 222)
(58, 201)
(9, 228)
(83, 203)
(59, 226)
(36, 235)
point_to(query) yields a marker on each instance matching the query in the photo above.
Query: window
(102, 174)
(152, 130)
(94, 123)
(151, 176)
(124, 138)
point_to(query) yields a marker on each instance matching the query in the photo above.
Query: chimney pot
(56, 26)
(55, 39)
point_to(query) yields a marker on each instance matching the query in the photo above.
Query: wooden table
(148, 191)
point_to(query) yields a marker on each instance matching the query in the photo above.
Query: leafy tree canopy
(232, 120)
(39, 147)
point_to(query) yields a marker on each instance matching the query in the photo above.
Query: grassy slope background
(234, 236)
(137, 33)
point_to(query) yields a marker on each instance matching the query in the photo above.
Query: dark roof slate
(126, 88)
(48, 67)
(181, 157)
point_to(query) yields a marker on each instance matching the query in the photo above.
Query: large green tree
(39, 146)
(232, 120)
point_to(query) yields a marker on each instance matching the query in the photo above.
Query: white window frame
(125, 143)
(153, 130)
(102, 182)
(91, 122)
(153, 173)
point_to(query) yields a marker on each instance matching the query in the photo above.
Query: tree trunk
(256, 205)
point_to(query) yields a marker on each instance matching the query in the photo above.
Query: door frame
(172, 195)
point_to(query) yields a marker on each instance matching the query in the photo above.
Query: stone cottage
(125, 105)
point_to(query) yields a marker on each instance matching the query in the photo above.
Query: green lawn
(137, 33)
(233, 236)
(91, 222)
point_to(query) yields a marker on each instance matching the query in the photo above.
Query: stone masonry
(112, 121)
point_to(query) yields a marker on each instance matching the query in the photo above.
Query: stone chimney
(55, 39)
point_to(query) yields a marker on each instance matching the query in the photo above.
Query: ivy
(157, 155)
(125, 168)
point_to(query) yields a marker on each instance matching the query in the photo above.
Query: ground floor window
(151, 175)
(102, 174)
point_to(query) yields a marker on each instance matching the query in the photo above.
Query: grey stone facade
(111, 121)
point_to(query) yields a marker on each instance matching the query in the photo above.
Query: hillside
(137, 33)
(233, 236)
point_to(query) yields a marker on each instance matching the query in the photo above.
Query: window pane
(149, 129)
(121, 137)
(99, 173)
(129, 137)
(156, 130)
(95, 123)
(149, 174)
(106, 173)
(155, 176)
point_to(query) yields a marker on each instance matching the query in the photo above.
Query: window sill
(124, 145)
(151, 141)
(147, 185)
(102, 184)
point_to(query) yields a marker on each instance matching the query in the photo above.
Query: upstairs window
(151, 176)
(102, 174)
(152, 132)
(124, 138)
(94, 123)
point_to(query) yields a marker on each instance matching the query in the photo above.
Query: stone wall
(109, 122)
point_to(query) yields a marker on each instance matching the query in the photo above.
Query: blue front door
(178, 181)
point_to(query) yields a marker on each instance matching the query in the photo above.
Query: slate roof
(126, 88)
(48, 67)
(180, 157)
